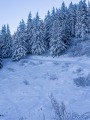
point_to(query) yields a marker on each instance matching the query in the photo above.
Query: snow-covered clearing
(25, 87)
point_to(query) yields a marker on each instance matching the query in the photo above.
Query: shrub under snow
(62, 114)
(82, 81)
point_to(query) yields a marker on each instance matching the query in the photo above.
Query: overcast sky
(12, 11)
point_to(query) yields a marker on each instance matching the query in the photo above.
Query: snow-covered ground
(26, 86)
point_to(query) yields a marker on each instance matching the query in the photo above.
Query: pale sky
(12, 11)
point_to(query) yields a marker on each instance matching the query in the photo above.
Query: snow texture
(26, 86)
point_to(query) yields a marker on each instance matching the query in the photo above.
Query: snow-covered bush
(26, 82)
(53, 77)
(79, 47)
(82, 81)
(19, 53)
(23, 62)
(62, 114)
(56, 63)
(58, 109)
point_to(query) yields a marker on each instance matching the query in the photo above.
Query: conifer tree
(29, 32)
(19, 44)
(48, 27)
(9, 42)
(0, 55)
(6, 39)
(53, 15)
(3, 41)
(82, 20)
(65, 24)
(88, 18)
(57, 45)
(38, 40)
(72, 19)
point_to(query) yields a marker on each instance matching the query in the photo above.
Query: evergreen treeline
(52, 35)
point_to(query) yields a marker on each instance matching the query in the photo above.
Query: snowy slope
(25, 87)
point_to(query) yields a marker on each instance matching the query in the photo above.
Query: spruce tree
(38, 40)
(88, 17)
(1, 55)
(48, 27)
(6, 41)
(9, 42)
(65, 24)
(3, 41)
(82, 20)
(57, 45)
(29, 32)
(72, 19)
(19, 43)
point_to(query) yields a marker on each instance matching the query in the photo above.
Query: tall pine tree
(57, 45)
(82, 20)
(29, 32)
(48, 26)
(6, 42)
(20, 44)
(1, 55)
(72, 19)
(9, 42)
(38, 40)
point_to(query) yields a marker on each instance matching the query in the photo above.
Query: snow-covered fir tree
(29, 32)
(89, 18)
(57, 46)
(38, 39)
(78, 27)
(9, 42)
(72, 19)
(3, 41)
(65, 23)
(53, 15)
(60, 32)
(19, 42)
(6, 41)
(1, 55)
(48, 26)
(82, 20)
